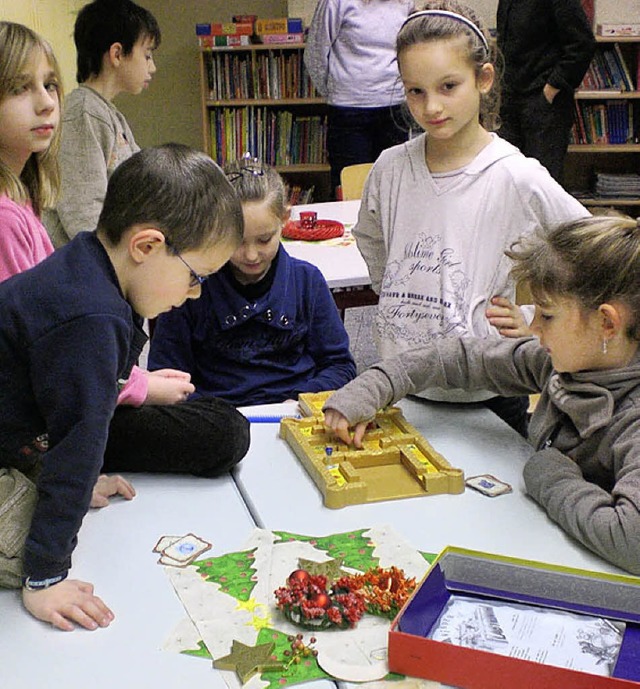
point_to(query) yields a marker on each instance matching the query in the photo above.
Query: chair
(352, 180)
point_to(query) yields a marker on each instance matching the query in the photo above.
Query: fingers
(171, 373)
(67, 603)
(106, 486)
(359, 432)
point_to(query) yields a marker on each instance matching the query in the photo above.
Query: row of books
(608, 70)
(612, 122)
(300, 195)
(268, 75)
(277, 137)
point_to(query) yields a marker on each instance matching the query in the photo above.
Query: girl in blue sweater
(266, 327)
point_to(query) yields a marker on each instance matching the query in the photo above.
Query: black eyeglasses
(196, 278)
(248, 166)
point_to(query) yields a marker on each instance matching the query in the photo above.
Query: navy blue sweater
(67, 336)
(288, 341)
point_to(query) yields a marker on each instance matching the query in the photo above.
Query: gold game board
(394, 462)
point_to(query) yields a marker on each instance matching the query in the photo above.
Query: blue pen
(277, 418)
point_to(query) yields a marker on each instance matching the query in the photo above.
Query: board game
(395, 461)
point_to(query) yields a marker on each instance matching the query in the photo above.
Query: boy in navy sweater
(70, 331)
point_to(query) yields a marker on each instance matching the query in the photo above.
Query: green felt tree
(201, 652)
(352, 547)
(234, 572)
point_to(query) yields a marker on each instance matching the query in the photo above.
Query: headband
(452, 15)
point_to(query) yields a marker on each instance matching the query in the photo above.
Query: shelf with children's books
(259, 98)
(603, 158)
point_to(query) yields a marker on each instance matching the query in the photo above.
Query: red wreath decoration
(307, 603)
(323, 229)
(385, 591)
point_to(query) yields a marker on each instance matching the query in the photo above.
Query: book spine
(618, 29)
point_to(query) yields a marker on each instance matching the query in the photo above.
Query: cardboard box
(618, 30)
(281, 38)
(500, 579)
(280, 25)
(222, 41)
(224, 29)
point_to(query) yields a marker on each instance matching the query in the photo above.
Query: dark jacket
(288, 341)
(543, 41)
(67, 336)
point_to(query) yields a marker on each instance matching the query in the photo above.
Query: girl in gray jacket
(585, 470)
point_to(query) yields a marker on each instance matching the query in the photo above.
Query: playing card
(185, 549)
(488, 485)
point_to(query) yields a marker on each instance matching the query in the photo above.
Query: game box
(482, 599)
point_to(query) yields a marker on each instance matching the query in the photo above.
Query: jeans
(359, 135)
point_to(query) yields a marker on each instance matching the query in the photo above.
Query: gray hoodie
(585, 470)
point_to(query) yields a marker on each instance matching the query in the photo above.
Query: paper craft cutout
(225, 595)
(396, 461)
(331, 569)
(246, 661)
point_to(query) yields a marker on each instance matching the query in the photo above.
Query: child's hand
(507, 318)
(338, 423)
(168, 386)
(67, 602)
(106, 486)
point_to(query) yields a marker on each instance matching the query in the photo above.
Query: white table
(471, 438)
(341, 263)
(115, 554)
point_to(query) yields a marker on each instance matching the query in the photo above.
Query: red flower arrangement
(307, 603)
(385, 591)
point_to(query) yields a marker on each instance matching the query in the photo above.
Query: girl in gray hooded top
(585, 470)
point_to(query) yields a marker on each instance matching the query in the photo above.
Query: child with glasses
(70, 330)
(266, 327)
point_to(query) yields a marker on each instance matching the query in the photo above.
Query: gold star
(260, 622)
(249, 605)
(246, 661)
(330, 569)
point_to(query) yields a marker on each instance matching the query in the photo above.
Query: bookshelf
(606, 133)
(259, 98)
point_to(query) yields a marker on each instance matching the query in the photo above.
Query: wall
(171, 110)
(54, 20)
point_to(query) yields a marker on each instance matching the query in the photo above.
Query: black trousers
(205, 437)
(512, 410)
(538, 128)
(359, 135)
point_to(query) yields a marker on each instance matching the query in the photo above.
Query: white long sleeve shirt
(350, 52)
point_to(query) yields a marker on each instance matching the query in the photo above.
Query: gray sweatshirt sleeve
(509, 367)
(322, 32)
(368, 233)
(606, 522)
(85, 146)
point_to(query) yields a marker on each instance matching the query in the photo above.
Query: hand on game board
(168, 386)
(507, 318)
(67, 602)
(106, 486)
(338, 423)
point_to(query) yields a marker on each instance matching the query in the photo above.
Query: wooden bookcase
(259, 98)
(585, 160)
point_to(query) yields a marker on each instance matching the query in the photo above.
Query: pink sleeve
(24, 242)
(134, 392)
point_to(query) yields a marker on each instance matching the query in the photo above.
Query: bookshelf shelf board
(604, 94)
(617, 39)
(604, 148)
(242, 102)
(253, 47)
(303, 167)
(610, 202)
